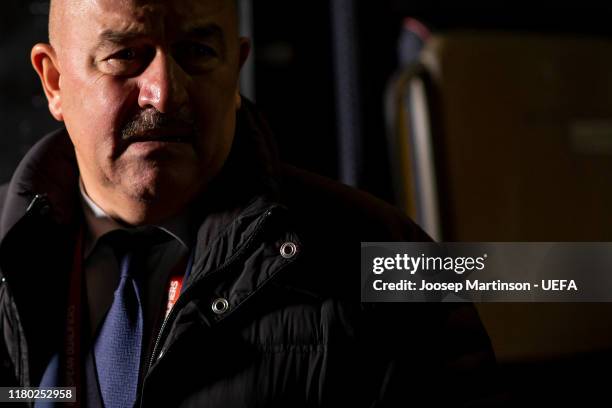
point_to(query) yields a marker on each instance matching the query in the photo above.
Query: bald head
(60, 10)
(55, 7)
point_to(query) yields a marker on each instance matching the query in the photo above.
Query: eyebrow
(205, 31)
(116, 37)
(208, 31)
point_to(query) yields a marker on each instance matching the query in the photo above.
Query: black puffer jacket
(295, 333)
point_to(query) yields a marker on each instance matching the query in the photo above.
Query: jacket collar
(49, 169)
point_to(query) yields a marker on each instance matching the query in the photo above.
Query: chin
(160, 189)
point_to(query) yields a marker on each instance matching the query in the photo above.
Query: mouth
(164, 136)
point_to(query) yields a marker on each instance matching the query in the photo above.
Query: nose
(163, 85)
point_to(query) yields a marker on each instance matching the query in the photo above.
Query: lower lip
(151, 146)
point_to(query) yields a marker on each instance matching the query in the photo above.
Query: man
(165, 181)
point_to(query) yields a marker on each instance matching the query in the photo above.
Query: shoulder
(323, 203)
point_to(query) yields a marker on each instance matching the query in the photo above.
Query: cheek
(216, 123)
(215, 107)
(94, 111)
(110, 103)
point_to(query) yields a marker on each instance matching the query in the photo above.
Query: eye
(195, 53)
(127, 61)
(200, 50)
(127, 54)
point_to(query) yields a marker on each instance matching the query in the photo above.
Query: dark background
(295, 87)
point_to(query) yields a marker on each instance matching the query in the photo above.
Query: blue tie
(118, 345)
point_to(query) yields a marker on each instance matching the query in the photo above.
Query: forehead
(154, 16)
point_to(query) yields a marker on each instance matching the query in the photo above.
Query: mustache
(150, 120)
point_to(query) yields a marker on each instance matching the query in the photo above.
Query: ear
(44, 61)
(245, 50)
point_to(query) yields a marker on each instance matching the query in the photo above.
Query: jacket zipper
(189, 290)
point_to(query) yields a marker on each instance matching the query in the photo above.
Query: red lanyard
(72, 352)
(177, 276)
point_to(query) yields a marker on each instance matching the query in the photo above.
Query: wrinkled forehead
(160, 9)
(151, 17)
(158, 14)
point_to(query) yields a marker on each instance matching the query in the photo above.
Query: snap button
(288, 250)
(220, 306)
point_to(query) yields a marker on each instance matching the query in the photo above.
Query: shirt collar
(99, 223)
